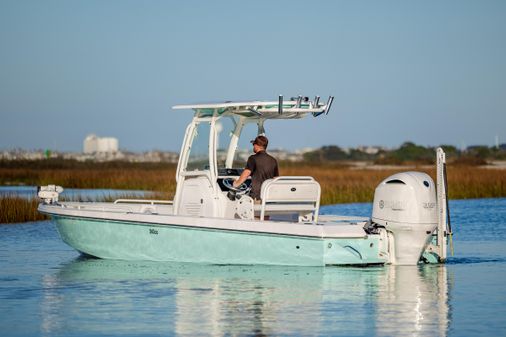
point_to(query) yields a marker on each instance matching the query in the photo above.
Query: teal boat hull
(127, 240)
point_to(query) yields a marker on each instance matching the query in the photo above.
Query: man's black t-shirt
(262, 167)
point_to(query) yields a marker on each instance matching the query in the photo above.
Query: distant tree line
(408, 152)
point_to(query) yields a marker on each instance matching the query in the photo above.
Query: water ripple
(474, 260)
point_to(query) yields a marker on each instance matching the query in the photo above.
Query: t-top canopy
(294, 108)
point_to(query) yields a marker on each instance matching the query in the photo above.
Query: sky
(431, 72)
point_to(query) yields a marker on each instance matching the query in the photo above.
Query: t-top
(262, 167)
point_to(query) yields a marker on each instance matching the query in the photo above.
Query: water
(47, 289)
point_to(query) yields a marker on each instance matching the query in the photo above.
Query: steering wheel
(241, 189)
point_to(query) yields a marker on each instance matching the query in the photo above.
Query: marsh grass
(16, 209)
(347, 185)
(340, 183)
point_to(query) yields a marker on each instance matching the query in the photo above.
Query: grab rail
(80, 206)
(142, 201)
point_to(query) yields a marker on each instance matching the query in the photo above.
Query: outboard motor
(405, 205)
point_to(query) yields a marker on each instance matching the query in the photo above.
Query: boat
(212, 222)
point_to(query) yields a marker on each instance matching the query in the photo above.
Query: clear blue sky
(432, 72)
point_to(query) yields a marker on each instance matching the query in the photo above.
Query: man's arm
(244, 175)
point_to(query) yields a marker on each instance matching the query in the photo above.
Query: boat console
(229, 172)
(226, 177)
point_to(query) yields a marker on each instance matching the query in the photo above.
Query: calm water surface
(47, 289)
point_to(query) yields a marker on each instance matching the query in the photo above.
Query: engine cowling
(405, 205)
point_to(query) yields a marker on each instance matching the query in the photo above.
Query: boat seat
(290, 195)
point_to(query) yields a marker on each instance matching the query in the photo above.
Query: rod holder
(329, 104)
(299, 101)
(316, 101)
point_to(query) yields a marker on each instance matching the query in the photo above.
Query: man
(260, 167)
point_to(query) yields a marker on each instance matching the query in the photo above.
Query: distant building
(93, 144)
(372, 150)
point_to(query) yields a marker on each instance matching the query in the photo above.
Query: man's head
(260, 143)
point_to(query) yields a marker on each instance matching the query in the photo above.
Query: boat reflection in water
(90, 296)
(413, 299)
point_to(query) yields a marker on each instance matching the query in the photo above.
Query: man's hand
(244, 175)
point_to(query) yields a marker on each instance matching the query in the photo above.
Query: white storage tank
(93, 144)
(405, 204)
